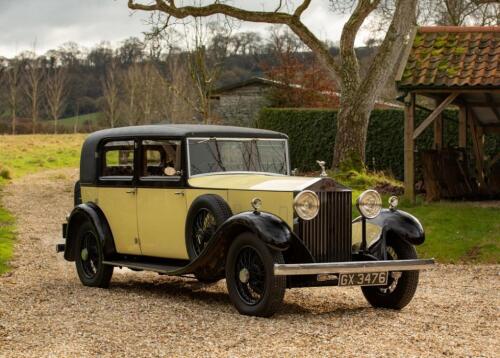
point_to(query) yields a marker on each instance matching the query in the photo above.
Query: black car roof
(88, 160)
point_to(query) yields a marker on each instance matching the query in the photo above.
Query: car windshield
(215, 155)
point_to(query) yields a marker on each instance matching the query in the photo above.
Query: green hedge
(312, 136)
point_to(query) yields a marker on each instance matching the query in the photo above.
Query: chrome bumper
(351, 267)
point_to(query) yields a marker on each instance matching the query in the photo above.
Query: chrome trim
(237, 173)
(287, 155)
(352, 267)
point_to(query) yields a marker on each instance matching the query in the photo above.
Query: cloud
(45, 25)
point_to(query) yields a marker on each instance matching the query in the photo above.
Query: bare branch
(301, 8)
(279, 17)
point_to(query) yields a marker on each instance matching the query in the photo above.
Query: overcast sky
(49, 23)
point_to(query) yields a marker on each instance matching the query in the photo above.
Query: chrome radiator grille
(328, 235)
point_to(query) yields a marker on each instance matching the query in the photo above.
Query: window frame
(117, 180)
(160, 181)
(188, 156)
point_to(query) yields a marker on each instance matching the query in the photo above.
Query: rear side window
(118, 159)
(161, 159)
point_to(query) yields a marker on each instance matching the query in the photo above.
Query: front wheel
(90, 257)
(253, 288)
(401, 286)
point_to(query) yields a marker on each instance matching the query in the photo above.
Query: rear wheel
(253, 288)
(89, 258)
(401, 286)
(206, 214)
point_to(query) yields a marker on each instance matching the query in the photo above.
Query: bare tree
(358, 93)
(13, 75)
(132, 80)
(149, 90)
(57, 92)
(110, 91)
(35, 76)
(203, 63)
(180, 94)
(460, 12)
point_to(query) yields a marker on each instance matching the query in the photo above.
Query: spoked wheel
(401, 286)
(205, 216)
(251, 276)
(204, 227)
(253, 288)
(89, 258)
(89, 254)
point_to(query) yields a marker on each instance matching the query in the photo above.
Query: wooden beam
(478, 146)
(492, 129)
(409, 147)
(494, 108)
(462, 127)
(438, 131)
(437, 111)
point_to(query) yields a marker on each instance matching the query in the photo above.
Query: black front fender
(267, 227)
(401, 224)
(88, 212)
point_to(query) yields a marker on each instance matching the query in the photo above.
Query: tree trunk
(350, 139)
(13, 121)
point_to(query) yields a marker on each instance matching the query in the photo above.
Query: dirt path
(45, 311)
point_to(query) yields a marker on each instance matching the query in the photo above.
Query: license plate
(363, 279)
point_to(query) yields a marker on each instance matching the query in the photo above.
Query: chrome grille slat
(328, 236)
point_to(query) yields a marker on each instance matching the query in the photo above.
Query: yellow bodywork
(151, 221)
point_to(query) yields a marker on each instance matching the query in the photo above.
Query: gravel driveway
(45, 311)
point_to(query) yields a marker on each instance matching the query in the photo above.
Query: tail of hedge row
(312, 136)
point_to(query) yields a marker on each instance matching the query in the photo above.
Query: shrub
(5, 173)
(312, 136)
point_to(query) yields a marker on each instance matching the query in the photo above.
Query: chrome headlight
(306, 205)
(369, 204)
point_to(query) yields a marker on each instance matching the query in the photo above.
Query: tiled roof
(452, 56)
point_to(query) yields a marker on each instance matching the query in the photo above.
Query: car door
(117, 193)
(161, 200)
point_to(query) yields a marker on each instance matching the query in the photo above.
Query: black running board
(165, 269)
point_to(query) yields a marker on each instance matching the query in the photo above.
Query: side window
(118, 159)
(161, 159)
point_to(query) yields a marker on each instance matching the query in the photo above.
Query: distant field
(69, 122)
(24, 154)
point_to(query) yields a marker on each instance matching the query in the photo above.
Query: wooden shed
(452, 66)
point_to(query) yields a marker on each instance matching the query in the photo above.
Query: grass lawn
(6, 239)
(456, 232)
(69, 122)
(26, 154)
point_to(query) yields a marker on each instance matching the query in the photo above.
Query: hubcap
(250, 276)
(244, 275)
(89, 255)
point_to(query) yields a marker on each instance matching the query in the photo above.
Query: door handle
(132, 191)
(179, 193)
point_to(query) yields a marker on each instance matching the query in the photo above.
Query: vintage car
(216, 202)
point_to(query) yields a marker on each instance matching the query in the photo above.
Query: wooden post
(438, 132)
(409, 147)
(462, 127)
(478, 146)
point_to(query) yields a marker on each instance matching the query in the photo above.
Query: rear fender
(88, 212)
